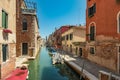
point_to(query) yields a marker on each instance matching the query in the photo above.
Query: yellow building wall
(9, 6)
(78, 36)
(37, 44)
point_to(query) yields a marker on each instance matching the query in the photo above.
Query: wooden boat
(19, 74)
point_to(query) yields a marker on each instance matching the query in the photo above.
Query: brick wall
(25, 36)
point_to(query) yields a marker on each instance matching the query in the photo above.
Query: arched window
(92, 33)
(24, 23)
(119, 23)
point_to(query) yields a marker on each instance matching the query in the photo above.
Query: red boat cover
(18, 74)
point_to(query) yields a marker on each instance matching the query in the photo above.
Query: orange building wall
(105, 20)
(105, 17)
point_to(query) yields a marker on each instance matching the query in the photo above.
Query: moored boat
(19, 74)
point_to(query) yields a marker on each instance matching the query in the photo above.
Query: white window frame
(95, 28)
(118, 26)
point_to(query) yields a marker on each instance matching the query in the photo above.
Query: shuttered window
(71, 36)
(92, 10)
(5, 54)
(118, 1)
(92, 33)
(4, 19)
(119, 23)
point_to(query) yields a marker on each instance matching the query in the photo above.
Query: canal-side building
(50, 41)
(73, 40)
(7, 36)
(57, 36)
(103, 33)
(27, 29)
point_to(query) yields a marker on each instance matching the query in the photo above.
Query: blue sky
(55, 13)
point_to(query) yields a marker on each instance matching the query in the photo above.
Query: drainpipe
(110, 76)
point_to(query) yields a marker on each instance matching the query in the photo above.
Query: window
(119, 24)
(118, 1)
(91, 10)
(71, 36)
(5, 52)
(66, 37)
(92, 50)
(92, 33)
(80, 51)
(119, 49)
(63, 38)
(24, 24)
(4, 19)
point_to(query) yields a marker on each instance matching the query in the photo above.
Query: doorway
(80, 52)
(24, 48)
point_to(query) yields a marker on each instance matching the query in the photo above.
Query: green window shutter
(6, 21)
(4, 53)
(3, 19)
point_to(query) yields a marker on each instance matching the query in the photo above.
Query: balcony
(29, 11)
(30, 7)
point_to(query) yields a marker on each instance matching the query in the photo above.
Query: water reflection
(42, 69)
(34, 69)
(64, 70)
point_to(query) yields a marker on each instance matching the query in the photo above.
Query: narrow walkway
(20, 60)
(89, 66)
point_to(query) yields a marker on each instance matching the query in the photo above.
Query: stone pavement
(20, 60)
(89, 66)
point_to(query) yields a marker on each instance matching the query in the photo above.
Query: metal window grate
(30, 4)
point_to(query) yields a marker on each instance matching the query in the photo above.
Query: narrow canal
(42, 69)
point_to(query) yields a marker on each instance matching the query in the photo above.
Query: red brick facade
(27, 36)
(106, 36)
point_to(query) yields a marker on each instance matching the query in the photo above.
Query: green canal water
(42, 69)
